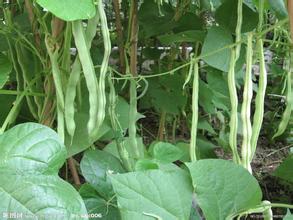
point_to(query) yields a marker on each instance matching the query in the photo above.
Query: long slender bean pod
(246, 105)
(238, 27)
(70, 97)
(234, 106)
(74, 77)
(260, 98)
(104, 67)
(262, 85)
(195, 90)
(54, 54)
(235, 53)
(289, 105)
(89, 73)
(132, 119)
(123, 153)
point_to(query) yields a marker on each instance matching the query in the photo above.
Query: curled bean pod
(245, 110)
(104, 68)
(89, 73)
(195, 90)
(74, 78)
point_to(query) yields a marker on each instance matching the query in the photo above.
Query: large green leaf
(6, 104)
(223, 188)
(166, 152)
(185, 36)
(70, 10)
(81, 140)
(288, 216)
(153, 194)
(98, 208)
(31, 156)
(95, 167)
(214, 51)
(5, 69)
(279, 8)
(285, 171)
(226, 16)
(152, 22)
(165, 94)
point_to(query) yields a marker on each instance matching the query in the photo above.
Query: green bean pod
(246, 105)
(234, 106)
(289, 101)
(132, 119)
(195, 90)
(74, 78)
(238, 27)
(70, 97)
(123, 153)
(260, 99)
(104, 68)
(89, 73)
(54, 54)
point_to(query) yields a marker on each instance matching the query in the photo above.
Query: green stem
(195, 90)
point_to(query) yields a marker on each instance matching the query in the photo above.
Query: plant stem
(195, 90)
(161, 130)
(119, 31)
(133, 34)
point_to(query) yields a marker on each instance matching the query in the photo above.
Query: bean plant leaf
(153, 194)
(152, 22)
(146, 164)
(223, 188)
(6, 104)
(70, 10)
(185, 36)
(217, 59)
(31, 156)
(166, 152)
(98, 207)
(81, 139)
(5, 69)
(278, 6)
(288, 216)
(226, 16)
(284, 171)
(95, 167)
(3, 41)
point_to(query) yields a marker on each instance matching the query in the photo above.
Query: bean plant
(132, 109)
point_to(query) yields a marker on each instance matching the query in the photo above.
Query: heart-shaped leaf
(98, 207)
(223, 188)
(31, 156)
(70, 10)
(95, 167)
(153, 194)
(284, 171)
